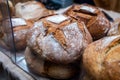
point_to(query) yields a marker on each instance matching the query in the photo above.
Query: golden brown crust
(94, 19)
(101, 58)
(60, 43)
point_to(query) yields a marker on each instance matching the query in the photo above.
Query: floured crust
(94, 19)
(31, 10)
(101, 58)
(59, 43)
(28, 25)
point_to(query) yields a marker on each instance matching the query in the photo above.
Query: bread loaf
(94, 19)
(20, 28)
(101, 59)
(58, 34)
(60, 40)
(31, 10)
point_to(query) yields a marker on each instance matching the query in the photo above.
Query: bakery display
(20, 29)
(31, 10)
(94, 19)
(59, 40)
(101, 59)
(59, 44)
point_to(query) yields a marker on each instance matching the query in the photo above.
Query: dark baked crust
(60, 43)
(102, 58)
(94, 19)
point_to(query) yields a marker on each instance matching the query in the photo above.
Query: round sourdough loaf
(96, 22)
(60, 40)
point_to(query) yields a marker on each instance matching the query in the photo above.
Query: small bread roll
(31, 10)
(96, 22)
(101, 59)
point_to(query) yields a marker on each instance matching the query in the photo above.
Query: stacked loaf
(55, 44)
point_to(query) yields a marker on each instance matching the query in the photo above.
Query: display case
(45, 44)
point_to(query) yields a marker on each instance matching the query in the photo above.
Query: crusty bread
(48, 69)
(60, 40)
(67, 38)
(94, 19)
(20, 29)
(101, 59)
(31, 10)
